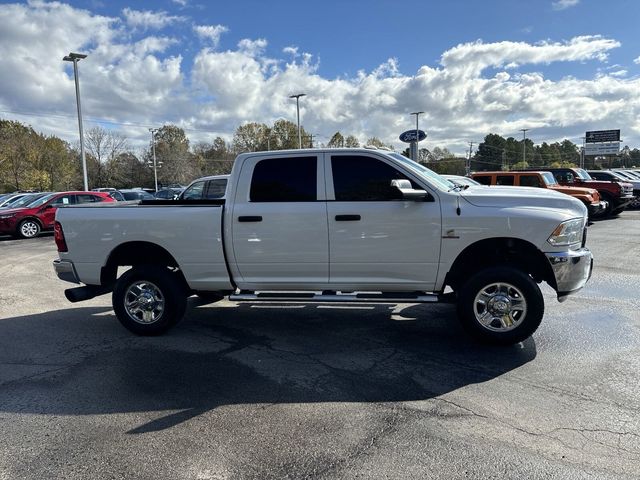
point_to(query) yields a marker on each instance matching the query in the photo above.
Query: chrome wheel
(500, 307)
(29, 229)
(144, 302)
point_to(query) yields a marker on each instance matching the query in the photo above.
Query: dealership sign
(410, 136)
(597, 136)
(606, 148)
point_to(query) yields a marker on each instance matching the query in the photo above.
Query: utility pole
(417, 114)
(524, 144)
(311, 135)
(153, 148)
(75, 57)
(468, 165)
(582, 152)
(297, 97)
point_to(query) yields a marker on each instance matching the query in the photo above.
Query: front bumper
(597, 208)
(65, 271)
(571, 269)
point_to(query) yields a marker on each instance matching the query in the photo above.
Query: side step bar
(333, 297)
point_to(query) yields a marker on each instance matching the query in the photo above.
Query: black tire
(28, 228)
(209, 297)
(482, 287)
(609, 210)
(157, 290)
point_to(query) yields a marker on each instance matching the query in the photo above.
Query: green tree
(337, 141)
(176, 163)
(351, 142)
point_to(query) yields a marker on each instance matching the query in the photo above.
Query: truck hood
(508, 197)
(573, 190)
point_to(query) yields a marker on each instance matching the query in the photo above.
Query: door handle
(347, 218)
(256, 218)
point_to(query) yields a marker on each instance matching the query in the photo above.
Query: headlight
(9, 215)
(567, 233)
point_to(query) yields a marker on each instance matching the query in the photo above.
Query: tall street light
(75, 57)
(297, 97)
(153, 148)
(524, 144)
(417, 114)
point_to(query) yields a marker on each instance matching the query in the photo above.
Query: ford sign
(410, 136)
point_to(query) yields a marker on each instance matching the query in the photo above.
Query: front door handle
(347, 218)
(256, 218)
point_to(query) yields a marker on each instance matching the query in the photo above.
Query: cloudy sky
(558, 67)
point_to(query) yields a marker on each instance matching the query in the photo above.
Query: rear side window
(504, 180)
(530, 181)
(292, 179)
(216, 188)
(483, 179)
(359, 178)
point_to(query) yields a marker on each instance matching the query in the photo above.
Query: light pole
(297, 97)
(153, 148)
(75, 57)
(582, 153)
(524, 144)
(417, 114)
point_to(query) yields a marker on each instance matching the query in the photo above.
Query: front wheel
(29, 228)
(149, 300)
(500, 305)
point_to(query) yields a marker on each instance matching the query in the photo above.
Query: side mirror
(408, 193)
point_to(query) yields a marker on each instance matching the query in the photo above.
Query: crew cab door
(376, 238)
(279, 222)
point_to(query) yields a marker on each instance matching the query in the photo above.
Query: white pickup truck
(332, 225)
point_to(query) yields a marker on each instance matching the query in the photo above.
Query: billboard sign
(410, 136)
(597, 136)
(607, 148)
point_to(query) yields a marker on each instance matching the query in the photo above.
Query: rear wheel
(500, 305)
(149, 300)
(28, 228)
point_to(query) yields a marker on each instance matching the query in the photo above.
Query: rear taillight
(58, 236)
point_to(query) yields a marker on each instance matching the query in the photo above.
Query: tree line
(32, 161)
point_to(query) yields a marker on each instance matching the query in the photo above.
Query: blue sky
(557, 67)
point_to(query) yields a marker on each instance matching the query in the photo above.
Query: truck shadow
(80, 361)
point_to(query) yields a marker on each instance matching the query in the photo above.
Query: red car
(30, 220)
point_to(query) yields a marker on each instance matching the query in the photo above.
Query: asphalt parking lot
(319, 391)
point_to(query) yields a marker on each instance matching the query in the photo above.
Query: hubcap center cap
(500, 305)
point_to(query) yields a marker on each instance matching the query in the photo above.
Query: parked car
(29, 220)
(615, 176)
(135, 194)
(116, 195)
(11, 198)
(206, 188)
(26, 200)
(169, 193)
(460, 180)
(589, 196)
(358, 225)
(617, 194)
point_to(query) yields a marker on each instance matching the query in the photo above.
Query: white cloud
(146, 19)
(182, 3)
(564, 4)
(211, 33)
(137, 80)
(619, 73)
(637, 61)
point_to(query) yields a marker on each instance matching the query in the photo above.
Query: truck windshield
(549, 179)
(582, 174)
(423, 171)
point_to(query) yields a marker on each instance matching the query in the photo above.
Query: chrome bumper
(571, 269)
(65, 271)
(598, 208)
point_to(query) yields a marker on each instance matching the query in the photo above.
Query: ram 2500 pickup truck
(332, 225)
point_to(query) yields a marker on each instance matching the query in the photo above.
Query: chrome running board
(334, 297)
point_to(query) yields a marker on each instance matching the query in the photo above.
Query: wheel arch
(506, 251)
(137, 253)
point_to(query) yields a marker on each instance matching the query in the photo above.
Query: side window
(483, 179)
(292, 179)
(359, 178)
(87, 198)
(504, 179)
(64, 200)
(216, 188)
(529, 181)
(194, 192)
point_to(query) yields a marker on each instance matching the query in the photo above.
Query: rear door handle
(256, 218)
(347, 218)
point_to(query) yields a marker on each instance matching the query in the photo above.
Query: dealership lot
(319, 391)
